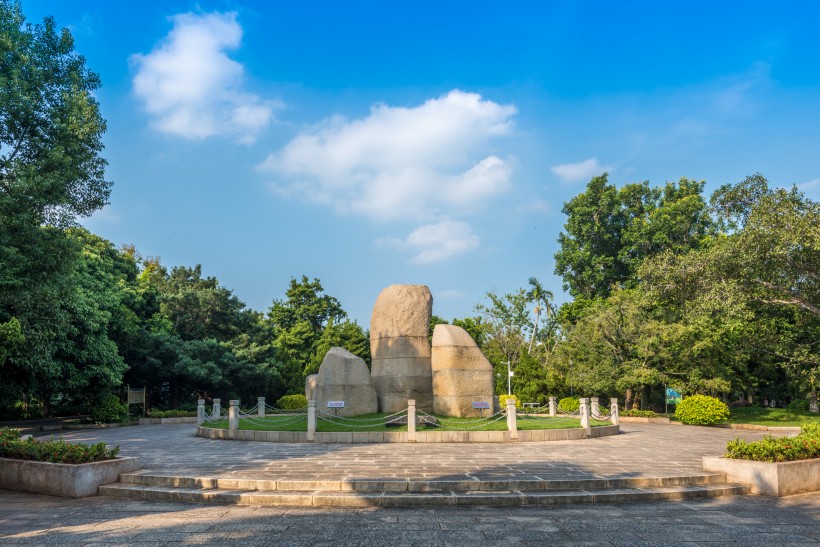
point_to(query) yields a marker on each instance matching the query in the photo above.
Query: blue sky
(369, 143)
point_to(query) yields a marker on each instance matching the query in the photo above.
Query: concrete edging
(164, 421)
(643, 420)
(401, 436)
(62, 479)
(769, 478)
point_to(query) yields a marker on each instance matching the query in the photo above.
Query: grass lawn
(771, 416)
(371, 422)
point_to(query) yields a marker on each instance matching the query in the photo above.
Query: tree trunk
(813, 402)
(644, 397)
(628, 399)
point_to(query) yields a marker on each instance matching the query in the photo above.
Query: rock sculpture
(344, 377)
(400, 349)
(462, 374)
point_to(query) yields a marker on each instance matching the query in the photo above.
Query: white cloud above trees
(191, 88)
(429, 163)
(579, 171)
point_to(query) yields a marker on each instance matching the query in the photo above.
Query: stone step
(418, 485)
(404, 499)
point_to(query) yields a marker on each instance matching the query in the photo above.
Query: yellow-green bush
(701, 410)
(502, 400)
(292, 402)
(569, 404)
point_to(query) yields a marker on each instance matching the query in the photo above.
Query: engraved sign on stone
(335, 404)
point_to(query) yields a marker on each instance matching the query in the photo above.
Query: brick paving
(643, 450)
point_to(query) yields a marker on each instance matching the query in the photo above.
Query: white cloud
(192, 89)
(421, 162)
(809, 185)
(435, 242)
(582, 170)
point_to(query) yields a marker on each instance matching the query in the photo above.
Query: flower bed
(805, 446)
(54, 451)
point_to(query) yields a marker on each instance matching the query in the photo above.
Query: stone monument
(344, 377)
(462, 375)
(400, 349)
(310, 386)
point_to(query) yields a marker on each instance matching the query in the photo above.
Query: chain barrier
(559, 410)
(337, 420)
(280, 421)
(460, 425)
(284, 411)
(402, 412)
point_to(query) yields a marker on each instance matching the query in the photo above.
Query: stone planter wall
(637, 420)
(771, 479)
(401, 436)
(163, 421)
(62, 479)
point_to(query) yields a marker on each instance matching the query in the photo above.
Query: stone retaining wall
(163, 421)
(62, 479)
(769, 478)
(401, 436)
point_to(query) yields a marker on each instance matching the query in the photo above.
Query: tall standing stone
(462, 375)
(400, 349)
(344, 377)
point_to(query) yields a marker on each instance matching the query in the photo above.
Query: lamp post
(509, 376)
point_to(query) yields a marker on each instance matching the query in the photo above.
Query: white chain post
(217, 408)
(613, 412)
(200, 411)
(233, 416)
(311, 426)
(411, 420)
(596, 411)
(552, 406)
(585, 415)
(261, 407)
(512, 423)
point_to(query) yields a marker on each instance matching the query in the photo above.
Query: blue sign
(481, 404)
(335, 404)
(672, 396)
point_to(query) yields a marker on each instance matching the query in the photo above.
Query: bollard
(585, 416)
(217, 410)
(200, 411)
(595, 409)
(233, 416)
(261, 407)
(552, 406)
(512, 423)
(311, 428)
(411, 420)
(613, 411)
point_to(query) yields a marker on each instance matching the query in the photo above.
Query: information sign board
(335, 404)
(481, 404)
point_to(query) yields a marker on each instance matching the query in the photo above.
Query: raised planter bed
(62, 479)
(163, 421)
(401, 436)
(642, 420)
(769, 478)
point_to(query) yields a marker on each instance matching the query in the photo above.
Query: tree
(51, 171)
(609, 232)
(539, 296)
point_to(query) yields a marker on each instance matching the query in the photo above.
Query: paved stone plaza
(643, 449)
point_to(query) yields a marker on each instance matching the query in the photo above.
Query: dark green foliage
(54, 451)
(109, 410)
(805, 446)
(798, 405)
(701, 410)
(634, 413)
(173, 413)
(292, 402)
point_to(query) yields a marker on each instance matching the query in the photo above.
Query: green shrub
(9, 434)
(58, 451)
(701, 410)
(569, 404)
(635, 413)
(797, 405)
(292, 402)
(172, 413)
(805, 446)
(502, 401)
(109, 410)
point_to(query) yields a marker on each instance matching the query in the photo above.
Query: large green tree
(610, 231)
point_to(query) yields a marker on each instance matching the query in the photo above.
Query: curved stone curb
(62, 479)
(540, 435)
